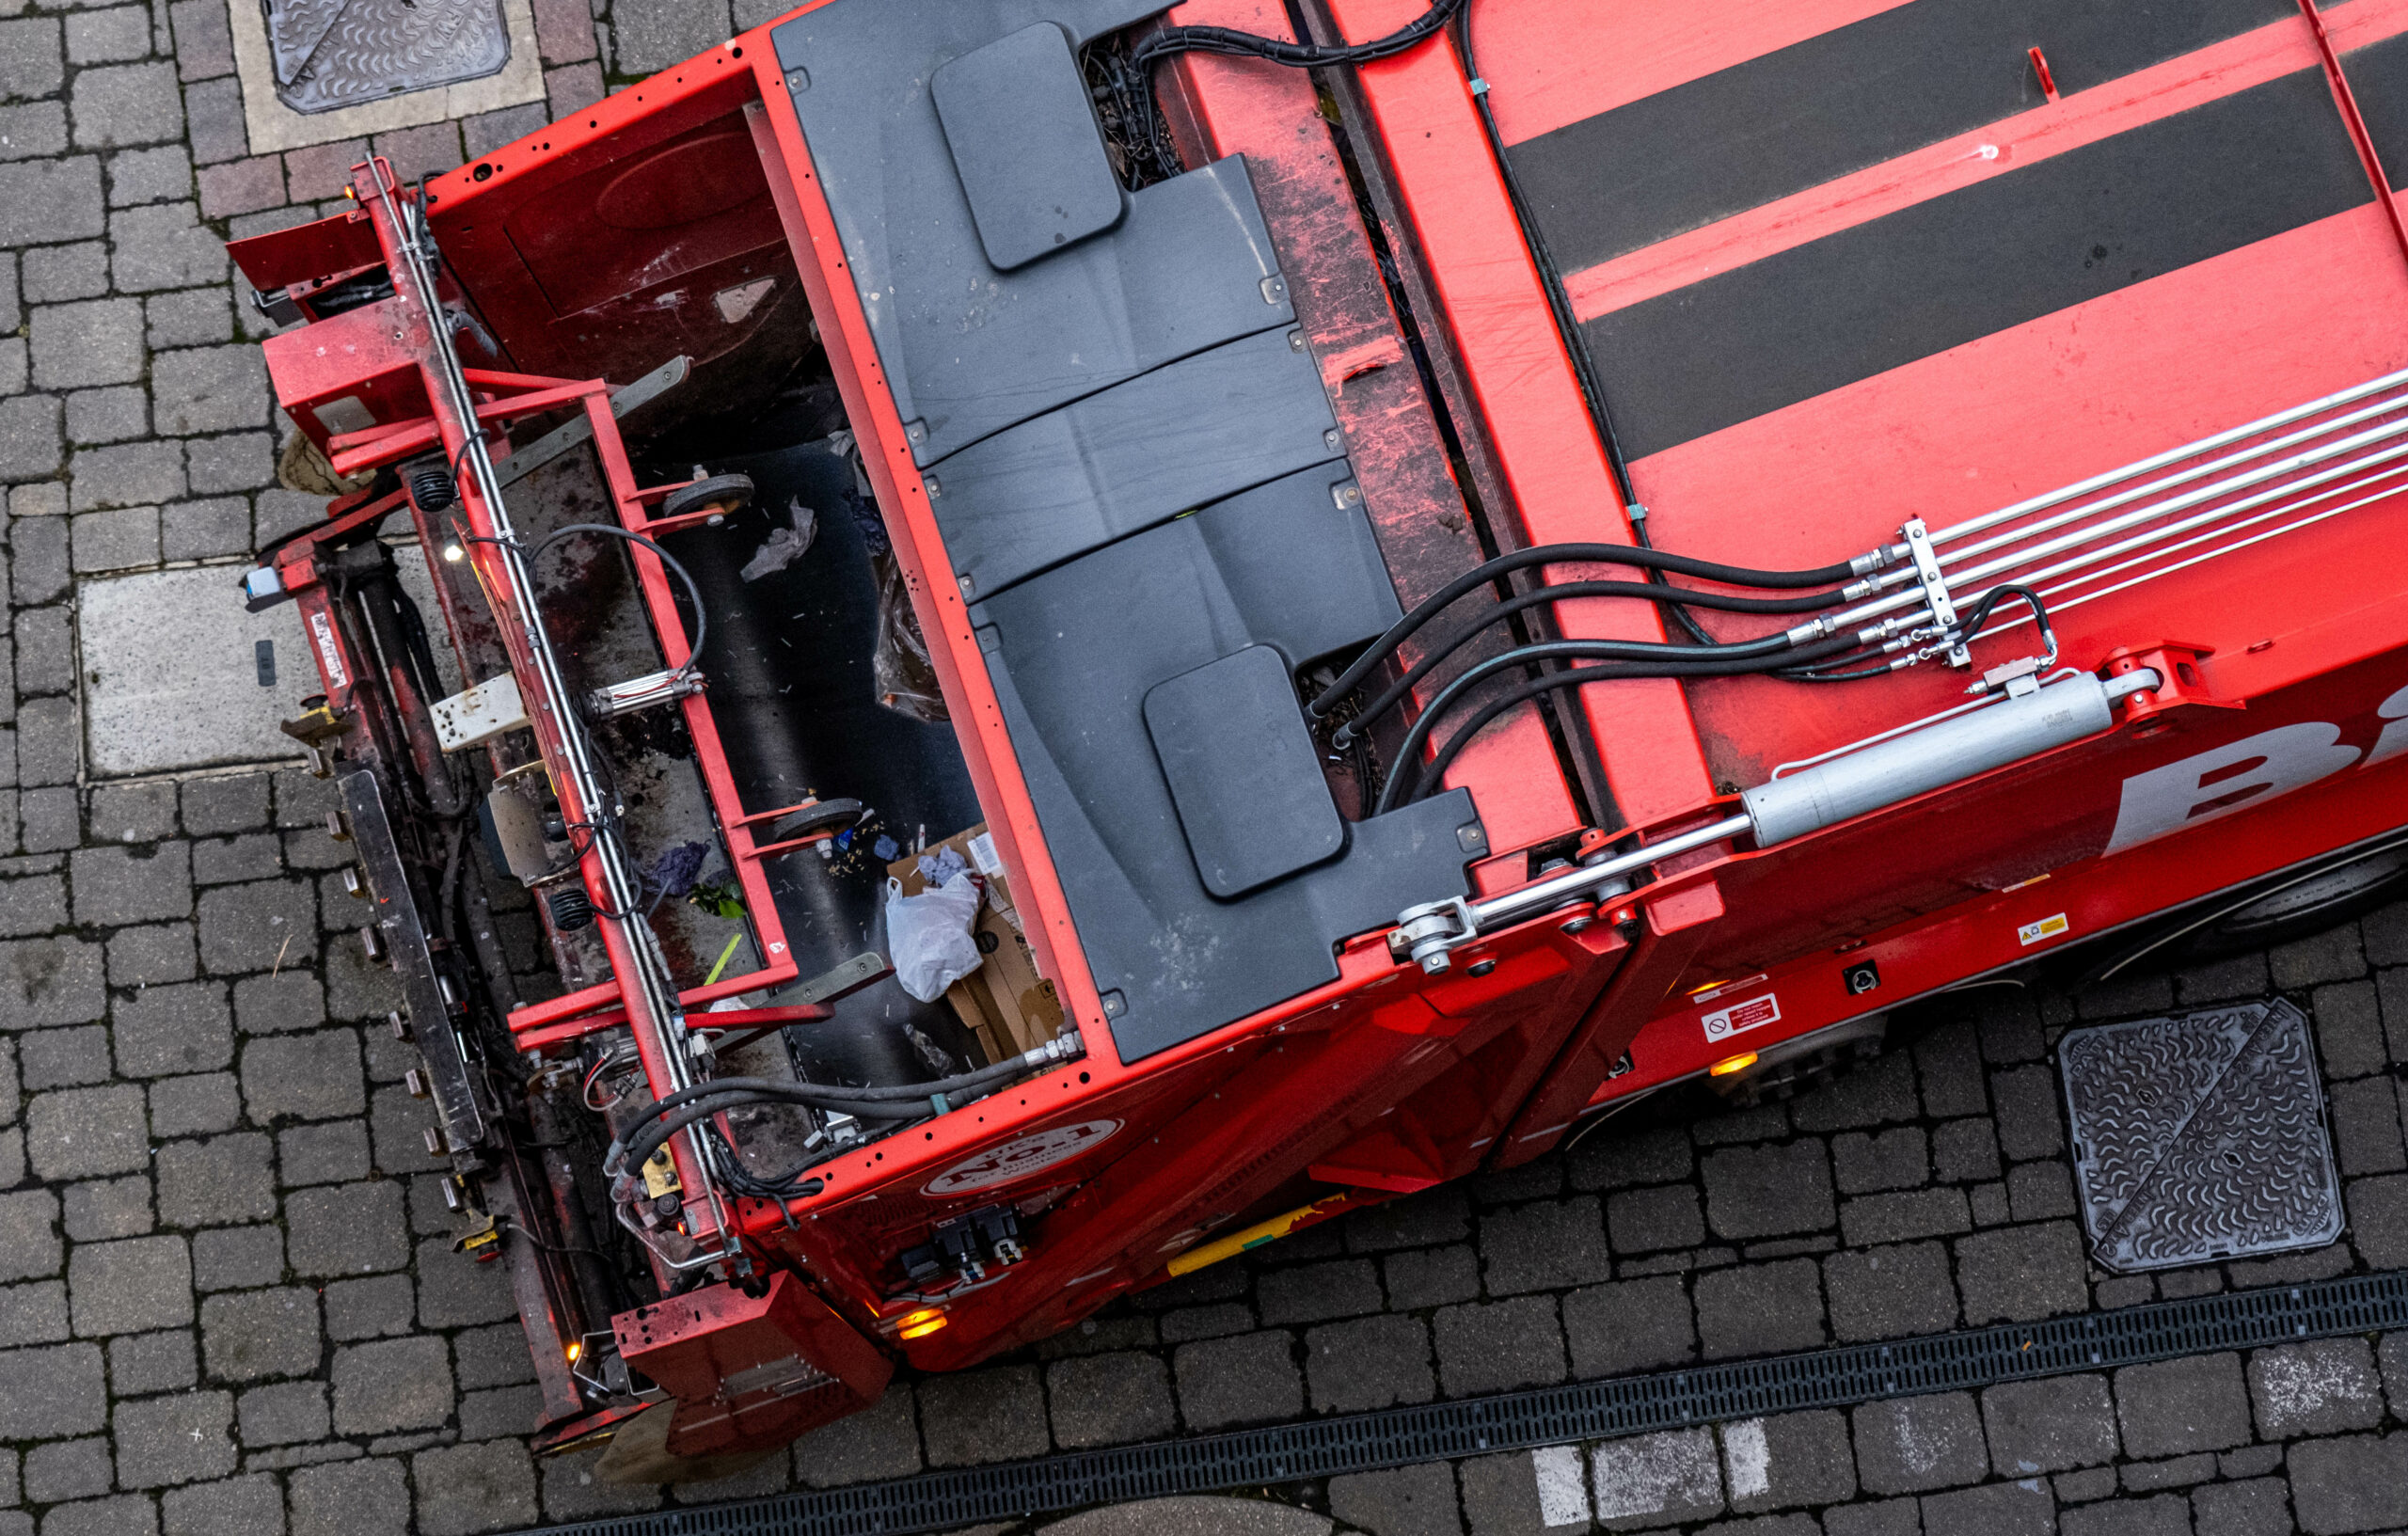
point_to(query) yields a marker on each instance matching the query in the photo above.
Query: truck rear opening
(1417, 590)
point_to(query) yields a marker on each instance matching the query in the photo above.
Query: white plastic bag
(927, 936)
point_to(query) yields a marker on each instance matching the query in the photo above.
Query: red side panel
(751, 1371)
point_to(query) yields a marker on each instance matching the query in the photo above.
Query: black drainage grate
(1553, 1416)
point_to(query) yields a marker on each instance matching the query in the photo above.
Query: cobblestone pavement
(228, 1300)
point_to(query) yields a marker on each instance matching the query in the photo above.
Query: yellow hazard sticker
(2047, 928)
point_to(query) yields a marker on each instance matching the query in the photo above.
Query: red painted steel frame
(1387, 1075)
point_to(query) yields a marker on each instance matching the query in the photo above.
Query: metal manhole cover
(330, 54)
(2200, 1137)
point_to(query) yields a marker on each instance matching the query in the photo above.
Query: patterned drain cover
(331, 53)
(2200, 1137)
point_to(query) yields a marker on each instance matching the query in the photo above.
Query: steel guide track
(1599, 1410)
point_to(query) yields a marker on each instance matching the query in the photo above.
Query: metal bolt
(1481, 967)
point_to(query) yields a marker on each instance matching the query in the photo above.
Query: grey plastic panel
(968, 349)
(1234, 751)
(1073, 653)
(1201, 428)
(1025, 141)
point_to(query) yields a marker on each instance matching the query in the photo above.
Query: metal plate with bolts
(491, 709)
(2200, 1137)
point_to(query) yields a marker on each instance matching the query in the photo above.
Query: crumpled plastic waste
(784, 546)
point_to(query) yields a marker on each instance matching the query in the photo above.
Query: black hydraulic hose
(694, 593)
(1566, 650)
(642, 1145)
(1302, 55)
(1563, 554)
(1669, 596)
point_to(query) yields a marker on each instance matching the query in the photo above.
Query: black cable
(1562, 554)
(1668, 596)
(657, 1134)
(1411, 783)
(694, 591)
(1302, 55)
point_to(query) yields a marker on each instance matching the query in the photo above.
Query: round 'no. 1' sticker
(1032, 1153)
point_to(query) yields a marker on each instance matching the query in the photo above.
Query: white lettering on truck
(2240, 774)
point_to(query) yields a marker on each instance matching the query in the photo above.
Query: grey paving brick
(490, 130)
(120, 885)
(2348, 1029)
(2181, 1406)
(46, 739)
(146, 957)
(62, 1059)
(33, 58)
(245, 927)
(102, 1208)
(347, 1230)
(651, 35)
(1102, 1400)
(249, 1506)
(2038, 1190)
(226, 1258)
(1369, 1363)
(987, 1416)
(1498, 1346)
(184, 1437)
(1424, 1277)
(80, 1132)
(1545, 1245)
(881, 1441)
(1877, 1092)
(2334, 955)
(234, 461)
(45, 664)
(123, 1515)
(2378, 1209)
(1629, 1326)
(2003, 1509)
(219, 1183)
(140, 1364)
(1655, 1156)
(1405, 1501)
(160, 174)
(30, 449)
(2350, 1484)
(311, 1077)
(371, 1307)
(1788, 1460)
(369, 1498)
(278, 1003)
(1651, 1219)
(130, 1285)
(1754, 1192)
(331, 1153)
(2366, 1126)
(1759, 1308)
(465, 1489)
(242, 186)
(1316, 1293)
(78, 346)
(164, 246)
(52, 1392)
(50, 274)
(1905, 1214)
(251, 1336)
(398, 1124)
(1249, 1379)
(1914, 1445)
(175, 1029)
(1655, 1480)
(1862, 1163)
(283, 1413)
(217, 806)
(1887, 1517)
(114, 414)
(134, 813)
(210, 389)
(2260, 1507)
(68, 1470)
(108, 36)
(1890, 1293)
(572, 88)
(491, 1356)
(29, 1244)
(34, 1313)
(2020, 1274)
(456, 1292)
(2029, 1123)
(47, 201)
(1216, 1319)
(15, 361)
(2049, 1426)
(2322, 1387)
(122, 105)
(190, 1106)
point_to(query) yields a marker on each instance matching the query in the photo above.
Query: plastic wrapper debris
(900, 670)
(928, 938)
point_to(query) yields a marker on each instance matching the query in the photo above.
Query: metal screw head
(1331, 439)
(1481, 967)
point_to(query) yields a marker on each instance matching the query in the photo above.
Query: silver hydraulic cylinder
(1938, 756)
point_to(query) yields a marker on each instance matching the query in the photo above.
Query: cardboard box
(1004, 1002)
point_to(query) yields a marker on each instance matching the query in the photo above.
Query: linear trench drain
(1551, 1415)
